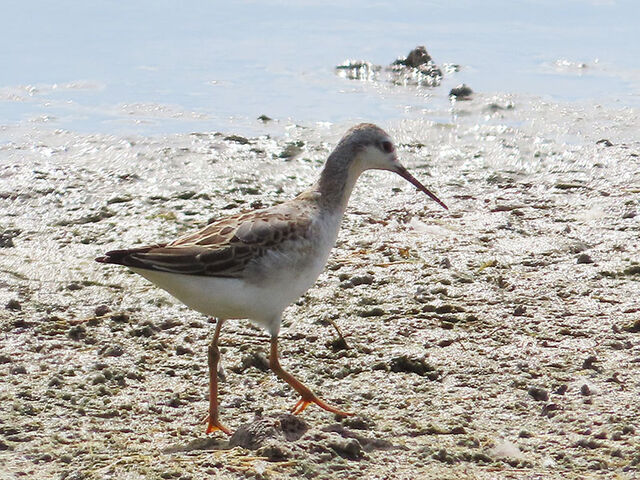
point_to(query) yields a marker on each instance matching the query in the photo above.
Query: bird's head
(370, 147)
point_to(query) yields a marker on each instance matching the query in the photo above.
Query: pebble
(538, 394)
(362, 280)
(348, 448)
(584, 258)
(461, 92)
(589, 363)
(101, 310)
(519, 311)
(254, 359)
(112, 351)
(182, 350)
(374, 312)
(18, 370)
(419, 366)
(13, 305)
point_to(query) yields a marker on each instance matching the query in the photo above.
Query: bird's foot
(215, 426)
(305, 401)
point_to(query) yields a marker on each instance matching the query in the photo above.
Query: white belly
(267, 287)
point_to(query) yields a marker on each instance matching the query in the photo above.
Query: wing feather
(223, 248)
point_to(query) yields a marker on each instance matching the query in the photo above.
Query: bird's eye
(387, 146)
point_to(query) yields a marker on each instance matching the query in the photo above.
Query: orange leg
(213, 424)
(308, 397)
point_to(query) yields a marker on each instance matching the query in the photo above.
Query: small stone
(348, 448)
(254, 359)
(604, 142)
(273, 451)
(589, 363)
(18, 370)
(585, 390)
(519, 311)
(292, 426)
(418, 366)
(112, 351)
(237, 139)
(549, 410)
(13, 305)
(538, 394)
(264, 119)
(6, 237)
(73, 286)
(588, 443)
(182, 350)
(632, 327)
(101, 310)
(362, 280)
(418, 56)
(254, 435)
(561, 390)
(77, 332)
(629, 214)
(584, 258)
(374, 312)
(461, 92)
(55, 381)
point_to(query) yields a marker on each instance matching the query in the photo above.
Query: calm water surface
(151, 67)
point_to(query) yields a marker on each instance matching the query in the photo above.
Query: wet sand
(500, 339)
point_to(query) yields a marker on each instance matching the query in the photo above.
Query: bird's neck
(337, 180)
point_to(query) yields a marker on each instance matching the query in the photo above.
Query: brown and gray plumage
(253, 265)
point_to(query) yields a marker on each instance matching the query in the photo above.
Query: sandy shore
(500, 339)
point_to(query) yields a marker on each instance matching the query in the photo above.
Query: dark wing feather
(222, 249)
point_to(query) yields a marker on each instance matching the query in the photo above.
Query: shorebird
(253, 265)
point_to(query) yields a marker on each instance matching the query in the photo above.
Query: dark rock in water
(418, 56)
(358, 70)
(417, 68)
(292, 150)
(264, 119)
(237, 139)
(461, 92)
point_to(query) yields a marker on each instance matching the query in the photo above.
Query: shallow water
(156, 67)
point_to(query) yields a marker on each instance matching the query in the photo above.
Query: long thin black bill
(404, 173)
